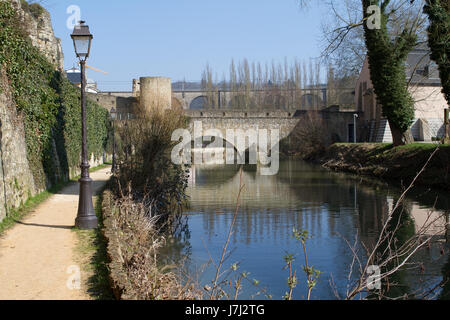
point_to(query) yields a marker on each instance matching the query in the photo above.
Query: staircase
(383, 132)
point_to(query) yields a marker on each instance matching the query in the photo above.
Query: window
(425, 72)
(433, 71)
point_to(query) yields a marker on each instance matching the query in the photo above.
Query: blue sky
(176, 38)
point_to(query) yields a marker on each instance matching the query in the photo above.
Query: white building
(74, 76)
(426, 90)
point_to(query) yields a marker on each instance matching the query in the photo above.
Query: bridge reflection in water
(332, 207)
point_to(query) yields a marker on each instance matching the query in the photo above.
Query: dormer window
(425, 72)
(434, 71)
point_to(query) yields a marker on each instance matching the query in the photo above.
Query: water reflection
(332, 207)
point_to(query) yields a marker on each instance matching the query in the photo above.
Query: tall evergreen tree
(387, 47)
(387, 56)
(438, 12)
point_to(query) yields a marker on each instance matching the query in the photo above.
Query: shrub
(133, 246)
(311, 135)
(145, 163)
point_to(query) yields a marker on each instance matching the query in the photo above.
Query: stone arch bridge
(283, 121)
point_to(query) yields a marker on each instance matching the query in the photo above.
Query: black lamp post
(113, 114)
(86, 218)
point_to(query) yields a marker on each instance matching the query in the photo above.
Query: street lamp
(355, 116)
(446, 125)
(86, 218)
(113, 114)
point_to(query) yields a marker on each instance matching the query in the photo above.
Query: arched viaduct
(283, 121)
(197, 100)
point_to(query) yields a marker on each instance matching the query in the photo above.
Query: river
(333, 207)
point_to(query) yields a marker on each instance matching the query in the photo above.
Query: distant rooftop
(420, 68)
(74, 75)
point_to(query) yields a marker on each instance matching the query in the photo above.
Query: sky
(177, 38)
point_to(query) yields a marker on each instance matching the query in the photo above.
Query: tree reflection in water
(331, 206)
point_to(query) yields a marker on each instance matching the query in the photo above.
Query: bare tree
(398, 28)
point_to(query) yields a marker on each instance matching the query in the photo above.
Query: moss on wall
(49, 106)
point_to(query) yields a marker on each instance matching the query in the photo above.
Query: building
(425, 87)
(74, 76)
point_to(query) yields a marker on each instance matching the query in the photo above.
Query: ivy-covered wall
(47, 105)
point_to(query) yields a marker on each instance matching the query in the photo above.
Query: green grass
(415, 145)
(423, 146)
(362, 143)
(387, 149)
(18, 214)
(91, 251)
(32, 203)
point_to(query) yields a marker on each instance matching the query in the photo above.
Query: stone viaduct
(197, 99)
(151, 91)
(285, 122)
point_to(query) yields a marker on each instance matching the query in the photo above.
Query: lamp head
(82, 39)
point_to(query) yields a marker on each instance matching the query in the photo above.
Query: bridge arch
(206, 140)
(198, 103)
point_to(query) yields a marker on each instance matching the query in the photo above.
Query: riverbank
(400, 164)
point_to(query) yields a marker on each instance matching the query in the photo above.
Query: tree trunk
(400, 137)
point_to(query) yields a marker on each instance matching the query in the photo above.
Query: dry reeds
(133, 248)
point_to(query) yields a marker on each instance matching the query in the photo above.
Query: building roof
(420, 69)
(74, 76)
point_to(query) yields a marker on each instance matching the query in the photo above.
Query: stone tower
(155, 93)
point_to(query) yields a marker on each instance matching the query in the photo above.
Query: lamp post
(447, 125)
(113, 114)
(86, 218)
(355, 116)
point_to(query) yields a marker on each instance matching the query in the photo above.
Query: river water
(335, 208)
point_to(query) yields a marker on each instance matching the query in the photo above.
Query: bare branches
(389, 254)
(343, 36)
(287, 85)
